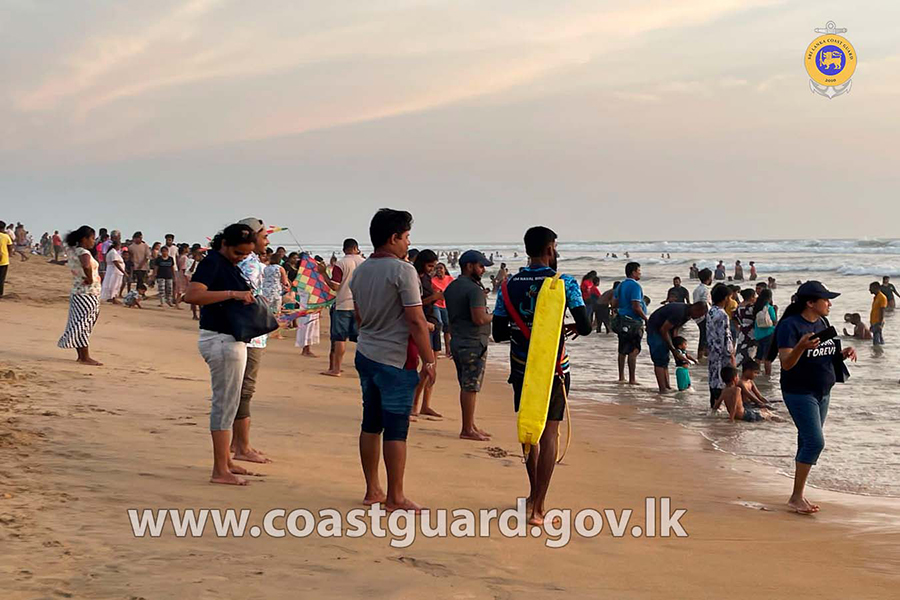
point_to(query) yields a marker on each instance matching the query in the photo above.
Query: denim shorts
(343, 326)
(387, 394)
(808, 412)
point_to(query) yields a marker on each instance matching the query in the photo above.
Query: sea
(862, 432)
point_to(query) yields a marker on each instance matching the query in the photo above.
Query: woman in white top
(84, 300)
(115, 273)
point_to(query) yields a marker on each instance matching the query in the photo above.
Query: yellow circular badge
(830, 60)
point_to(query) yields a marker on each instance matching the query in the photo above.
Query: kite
(310, 284)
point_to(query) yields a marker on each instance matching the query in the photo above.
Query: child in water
(732, 397)
(860, 331)
(682, 374)
(749, 392)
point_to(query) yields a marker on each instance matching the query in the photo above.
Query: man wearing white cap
(252, 269)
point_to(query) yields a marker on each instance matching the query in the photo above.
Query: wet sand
(79, 446)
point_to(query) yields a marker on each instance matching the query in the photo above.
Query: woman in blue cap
(811, 362)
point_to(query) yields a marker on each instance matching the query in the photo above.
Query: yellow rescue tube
(540, 368)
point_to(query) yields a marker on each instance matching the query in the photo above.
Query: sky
(642, 120)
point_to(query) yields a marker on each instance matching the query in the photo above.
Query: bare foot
(538, 519)
(251, 456)
(431, 412)
(473, 435)
(90, 362)
(482, 431)
(309, 354)
(405, 504)
(375, 497)
(633, 383)
(238, 470)
(228, 479)
(621, 381)
(330, 373)
(801, 507)
(413, 419)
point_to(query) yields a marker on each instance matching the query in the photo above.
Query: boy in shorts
(733, 399)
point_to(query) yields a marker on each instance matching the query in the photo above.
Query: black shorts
(629, 342)
(557, 409)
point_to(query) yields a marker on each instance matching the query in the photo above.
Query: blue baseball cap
(474, 256)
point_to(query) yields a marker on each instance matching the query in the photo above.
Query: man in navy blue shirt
(632, 310)
(523, 289)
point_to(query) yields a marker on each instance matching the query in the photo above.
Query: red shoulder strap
(520, 323)
(513, 313)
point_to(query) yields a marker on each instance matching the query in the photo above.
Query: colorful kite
(310, 285)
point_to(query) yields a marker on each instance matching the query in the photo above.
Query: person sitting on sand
(749, 392)
(133, 298)
(513, 313)
(471, 323)
(860, 331)
(217, 282)
(732, 397)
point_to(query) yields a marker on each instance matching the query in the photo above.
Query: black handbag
(249, 321)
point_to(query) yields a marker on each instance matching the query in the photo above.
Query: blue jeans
(808, 413)
(877, 334)
(387, 394)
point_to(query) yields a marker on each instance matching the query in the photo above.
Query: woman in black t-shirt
(216, 282)
(808, 372)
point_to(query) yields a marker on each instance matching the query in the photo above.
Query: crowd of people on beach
(404, 310)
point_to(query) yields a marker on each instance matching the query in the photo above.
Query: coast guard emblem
(830, 61)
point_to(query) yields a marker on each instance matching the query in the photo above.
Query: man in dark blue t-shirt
(523, 289)
(632, 313)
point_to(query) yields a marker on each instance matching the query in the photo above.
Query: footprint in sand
(496, 452)
(435, 569)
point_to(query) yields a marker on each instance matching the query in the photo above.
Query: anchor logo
(830, 61)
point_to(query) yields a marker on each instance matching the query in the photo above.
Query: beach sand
(79, 446)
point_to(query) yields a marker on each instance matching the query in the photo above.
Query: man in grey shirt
(393, 333)
(470, 327)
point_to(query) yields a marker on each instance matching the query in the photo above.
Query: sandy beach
(79, 446)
